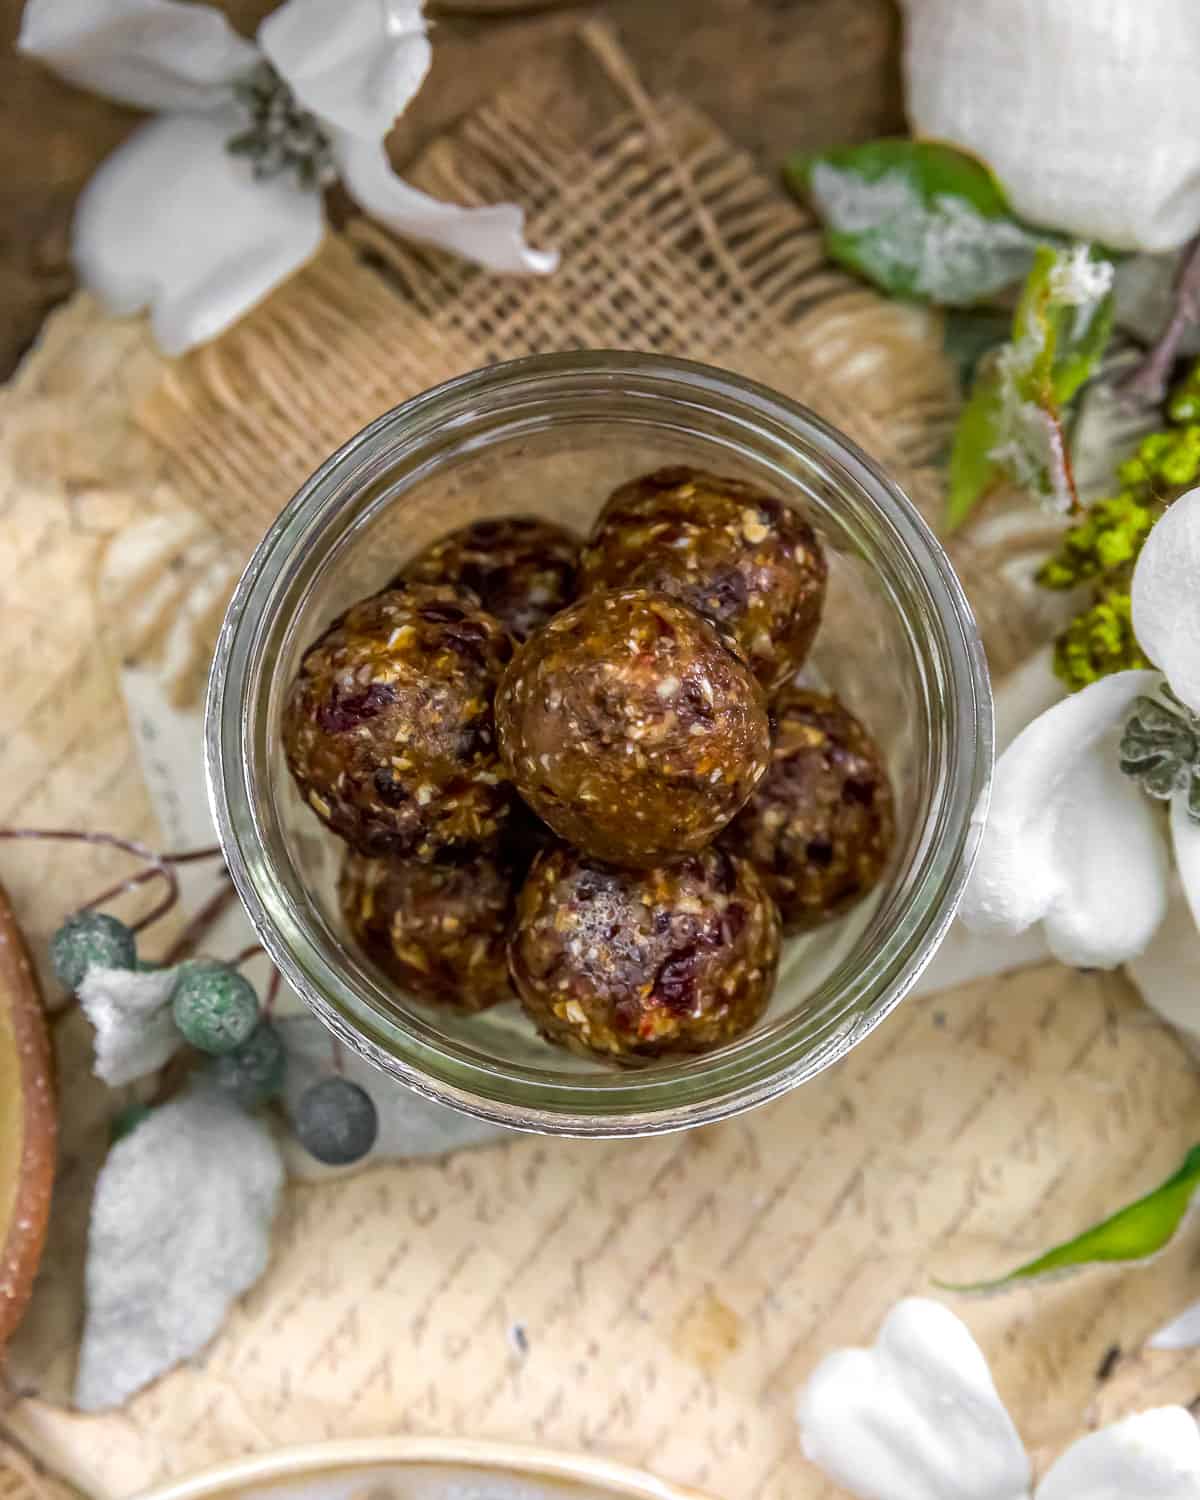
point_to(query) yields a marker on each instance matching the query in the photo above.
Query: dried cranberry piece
(441, 614)
(474, 739)
(340, 714)
(733, 921)
(723, 874)
(468, 638)
(727, 592)
(692, 705)
(390, 792)
(675, 983)
(819, 853)
(862, 792)
(627, 1013)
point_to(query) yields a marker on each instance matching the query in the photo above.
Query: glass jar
(554, 435)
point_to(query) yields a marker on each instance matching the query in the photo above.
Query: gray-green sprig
(1160, 748)
(282, 137)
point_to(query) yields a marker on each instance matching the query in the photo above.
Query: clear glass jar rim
(431, 426)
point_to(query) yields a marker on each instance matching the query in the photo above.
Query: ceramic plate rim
(514, 1459)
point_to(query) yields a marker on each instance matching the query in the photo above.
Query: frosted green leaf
(972, 469)
(1013, 428)
(1134, 1233)
(180, 1228)
(916, 218)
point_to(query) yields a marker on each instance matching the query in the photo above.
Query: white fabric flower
(1088, 113)
(175, 221)
(917, 1417)
(1073, 843)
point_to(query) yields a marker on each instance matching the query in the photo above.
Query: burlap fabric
(672, 1292)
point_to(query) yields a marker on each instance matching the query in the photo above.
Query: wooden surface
(27, 1123)
(776, 74)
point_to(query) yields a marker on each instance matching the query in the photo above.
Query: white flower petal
(1112, 863)
(1166, 597)
(1153, 1455)
(356, 64)
(493, 236)
(1182, 1332)
(1168, 973)
(916, 1417)
(156, 54)
(1069, 840)
(1185, 836)
(172, 221)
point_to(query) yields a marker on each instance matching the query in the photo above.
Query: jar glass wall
(554, 435)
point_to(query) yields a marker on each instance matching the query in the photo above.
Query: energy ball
(521, 568)
(439, 930)
(735, 554)
(388, 726)
(631, 728)
(821, 825)
(629, 964)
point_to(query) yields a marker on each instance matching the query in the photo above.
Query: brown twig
(159, 865)
(272, 993)
(1147, 385)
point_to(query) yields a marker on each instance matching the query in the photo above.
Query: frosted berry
(336, 1121)
(253, 1072)
(90, 939)
(215, 1007)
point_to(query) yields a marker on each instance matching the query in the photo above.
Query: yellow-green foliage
(1104, 546)
(1097, 642)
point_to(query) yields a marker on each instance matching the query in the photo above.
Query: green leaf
(1134, 1233)
(1060, 330)
(972, 468)
(1079, 358)
(917, 218)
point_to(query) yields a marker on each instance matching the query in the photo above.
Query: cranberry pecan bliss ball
(633, 964)
(735, 554)
(388, 726)
(439, 930)
(631, 728)
(520, 567)
(821, 825)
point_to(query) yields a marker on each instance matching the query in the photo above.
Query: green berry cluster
(90, 939)
(1098, 641)
(216, 1011)
(214, 1007)
(1109, 538)
(1103, 548)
